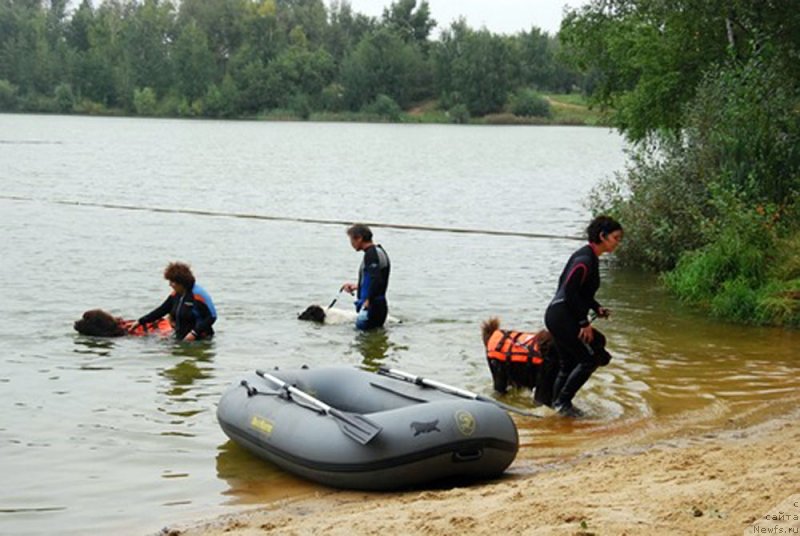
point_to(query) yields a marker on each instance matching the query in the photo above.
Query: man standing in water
(373, 279)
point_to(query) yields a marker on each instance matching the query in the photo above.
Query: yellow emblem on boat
(465, 422)
(261, 424)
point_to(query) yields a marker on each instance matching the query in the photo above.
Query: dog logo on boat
(425, 427)
(465, 422)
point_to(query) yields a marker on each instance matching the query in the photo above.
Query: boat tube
(348, 428)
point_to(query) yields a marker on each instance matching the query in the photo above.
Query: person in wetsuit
(373, 279)
(567, 315)
(190, 308)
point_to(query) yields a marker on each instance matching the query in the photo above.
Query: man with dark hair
(373, 279)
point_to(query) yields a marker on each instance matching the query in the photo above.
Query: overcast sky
(499, 16)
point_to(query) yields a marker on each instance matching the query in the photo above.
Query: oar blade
(355, 426)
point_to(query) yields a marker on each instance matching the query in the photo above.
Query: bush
(729, 274)
(332, 98)
(662, 204)
(64, 98)
(301, 106)
(8, 96)
(459, 114)
(384, 106)
(220, 101)
(144, 101)
(37, 103)
(528, 103)
(174, 105)
(87, 106)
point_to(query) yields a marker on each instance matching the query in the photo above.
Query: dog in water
(99, 323)
(334, 315)
(530, 360)
(521, 359)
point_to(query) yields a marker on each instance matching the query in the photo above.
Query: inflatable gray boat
(348, 428)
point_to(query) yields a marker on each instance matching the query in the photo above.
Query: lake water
(121, 435)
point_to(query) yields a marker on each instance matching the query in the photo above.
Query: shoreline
(721, 482)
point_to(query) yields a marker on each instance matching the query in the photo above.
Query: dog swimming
(100, 323)
(334, 315)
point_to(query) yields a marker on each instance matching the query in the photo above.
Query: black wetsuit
(373, 280)
(566, 315)
(190, 312)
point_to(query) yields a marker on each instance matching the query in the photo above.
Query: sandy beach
(724, 482)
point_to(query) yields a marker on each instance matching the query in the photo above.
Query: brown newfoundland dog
(99, 323)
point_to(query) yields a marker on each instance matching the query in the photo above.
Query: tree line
(233, 58)
(709, 94)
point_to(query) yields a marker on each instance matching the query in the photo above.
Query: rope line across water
(318, 221)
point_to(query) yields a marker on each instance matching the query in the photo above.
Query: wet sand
(714, 483)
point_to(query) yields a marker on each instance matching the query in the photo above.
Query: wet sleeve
(159, 312)
(204, 318)
(575, 279)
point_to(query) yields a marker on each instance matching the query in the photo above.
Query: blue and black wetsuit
(190, 312)
(373, 279)
(565, 317)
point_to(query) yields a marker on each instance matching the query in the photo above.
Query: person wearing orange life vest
(567, 315)
(190, 307)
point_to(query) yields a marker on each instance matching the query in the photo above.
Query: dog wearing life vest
(530, 360)
(521, 359)
(99, 323)
(334, 315)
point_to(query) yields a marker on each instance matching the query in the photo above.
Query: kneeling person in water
(373, 279)
(190, 307)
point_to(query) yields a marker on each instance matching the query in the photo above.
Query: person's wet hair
(602, 225)
(359, 230)
(179, 273)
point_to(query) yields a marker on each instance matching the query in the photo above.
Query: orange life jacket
(514, 347)
(161, 327)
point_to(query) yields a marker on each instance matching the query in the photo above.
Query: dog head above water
(99, 323)
(313, 313)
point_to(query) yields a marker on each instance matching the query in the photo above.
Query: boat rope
(294, 219)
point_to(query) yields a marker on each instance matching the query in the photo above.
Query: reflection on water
(98, 346)
(184, 399)
(252, 480)
(373, 345)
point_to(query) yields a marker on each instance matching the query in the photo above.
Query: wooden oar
(424, 382)
(354, 426)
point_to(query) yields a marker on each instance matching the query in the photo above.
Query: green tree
(194, 63)
(8, 96)
(144, 101)
(475, 68)
(382, 63)
(147, 30)
(298, 71)
(221, 101)
(65, 98)
(413, 23)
